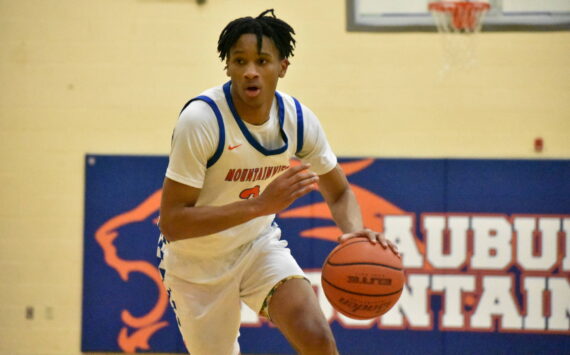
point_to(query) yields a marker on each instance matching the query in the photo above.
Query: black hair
(263, 25)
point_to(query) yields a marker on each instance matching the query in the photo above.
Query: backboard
(413, 15)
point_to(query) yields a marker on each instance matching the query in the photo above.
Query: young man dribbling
(228, 175)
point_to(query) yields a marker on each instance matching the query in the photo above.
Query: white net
(459, 22)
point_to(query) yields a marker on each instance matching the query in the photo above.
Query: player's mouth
(252, 90)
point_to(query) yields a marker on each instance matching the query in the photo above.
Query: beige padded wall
(109, 77)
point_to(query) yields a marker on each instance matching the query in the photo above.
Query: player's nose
(251, 71)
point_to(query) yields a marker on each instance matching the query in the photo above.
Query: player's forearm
(346, 212)
(191, 222)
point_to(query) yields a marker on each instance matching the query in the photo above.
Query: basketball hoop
(459, 16)
(459, 22)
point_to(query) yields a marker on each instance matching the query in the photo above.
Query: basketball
(362, 280)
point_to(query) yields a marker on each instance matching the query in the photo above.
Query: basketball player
(229, 174)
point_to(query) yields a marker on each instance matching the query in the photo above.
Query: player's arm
(180, 218)
(345, 209)
(341, 200)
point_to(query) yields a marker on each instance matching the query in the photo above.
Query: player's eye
(262, 61)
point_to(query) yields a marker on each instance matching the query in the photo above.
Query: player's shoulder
(295, 103)
(288, 100)
(214, 94)
(198, 110)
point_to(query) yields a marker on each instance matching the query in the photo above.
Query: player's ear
(284, 65)
(227, 66)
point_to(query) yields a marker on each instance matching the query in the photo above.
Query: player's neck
(254, 115)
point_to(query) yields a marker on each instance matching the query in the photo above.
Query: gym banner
(485, 244)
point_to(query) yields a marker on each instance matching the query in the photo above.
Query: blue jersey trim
(300, 125)
(245, 131)
(222, 135)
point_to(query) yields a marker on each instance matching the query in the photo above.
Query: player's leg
(208, 316)
(294, 309)
(274, 285)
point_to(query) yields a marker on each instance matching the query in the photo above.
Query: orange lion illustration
(148, 324)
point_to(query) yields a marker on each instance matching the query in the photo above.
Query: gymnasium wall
(109, 77)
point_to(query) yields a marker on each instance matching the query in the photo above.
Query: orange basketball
(362, 280)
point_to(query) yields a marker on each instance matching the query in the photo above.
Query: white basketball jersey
(241, 168)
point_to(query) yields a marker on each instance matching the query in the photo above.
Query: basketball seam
(375, 264)
(357, 241)
(361, 294)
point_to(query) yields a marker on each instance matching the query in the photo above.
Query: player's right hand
(295, 182)
(373, 236)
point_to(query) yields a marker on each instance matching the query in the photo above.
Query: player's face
(254, 73)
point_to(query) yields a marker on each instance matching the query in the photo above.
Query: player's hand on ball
(375, 237)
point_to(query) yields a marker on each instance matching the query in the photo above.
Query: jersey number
(249, 193)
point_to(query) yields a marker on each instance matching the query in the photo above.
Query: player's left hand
(375, 237)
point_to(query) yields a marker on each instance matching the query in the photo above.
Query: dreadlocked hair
(263, 25)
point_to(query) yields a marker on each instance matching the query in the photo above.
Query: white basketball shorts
(206, 294)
